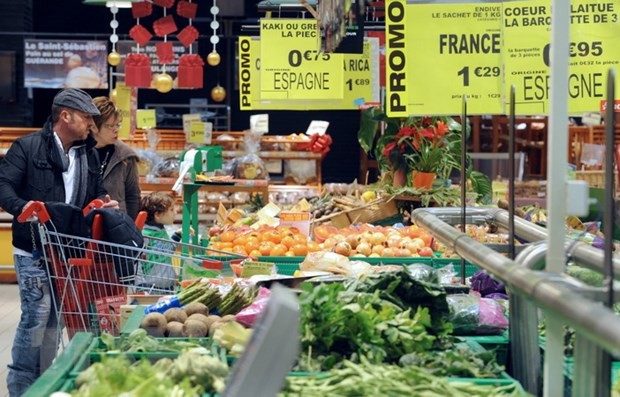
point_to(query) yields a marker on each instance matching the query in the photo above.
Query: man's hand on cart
(109, 203)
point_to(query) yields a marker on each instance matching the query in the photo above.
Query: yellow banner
(454, 50)
(360, 84)
(438, 52)
(295, 68)
(594, 47)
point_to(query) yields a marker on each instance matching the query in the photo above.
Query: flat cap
(74, 98)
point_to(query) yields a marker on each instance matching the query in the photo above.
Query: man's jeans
(37, 336)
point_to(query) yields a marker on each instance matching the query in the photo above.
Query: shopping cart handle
(37, 208)
(96, 203)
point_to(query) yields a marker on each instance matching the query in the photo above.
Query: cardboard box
(142, 299)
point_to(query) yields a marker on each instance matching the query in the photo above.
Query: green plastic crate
(97, 350)
(499, 343)
(56, 375)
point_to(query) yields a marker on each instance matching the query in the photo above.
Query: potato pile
(193, 321)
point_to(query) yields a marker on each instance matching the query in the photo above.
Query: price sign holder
(145, 118)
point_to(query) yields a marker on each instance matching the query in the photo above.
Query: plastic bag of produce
(248, 316)
(423, 272)
(322, 261)
(482, 282)
(251, 166)
(471, 314)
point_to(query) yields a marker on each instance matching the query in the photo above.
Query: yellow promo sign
(360, 84)
(295, 68)
(396, 73)
(594, 48)
(454, 50)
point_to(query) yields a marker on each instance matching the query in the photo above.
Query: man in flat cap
(55, 164)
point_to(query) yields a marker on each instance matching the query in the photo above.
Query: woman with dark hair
(119, 168)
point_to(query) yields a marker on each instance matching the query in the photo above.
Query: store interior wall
(70, 18)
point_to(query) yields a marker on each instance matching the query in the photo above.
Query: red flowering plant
(423, 144)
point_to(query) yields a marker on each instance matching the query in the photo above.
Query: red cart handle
(96, 203)
(37, 208)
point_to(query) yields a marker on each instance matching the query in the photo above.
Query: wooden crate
(368, 213)
(595, 178)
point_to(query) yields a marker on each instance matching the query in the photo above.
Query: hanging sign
(295, 68)
(453, 50)
(594, 48)
(438, 51)
(361, 76)
(360, 80)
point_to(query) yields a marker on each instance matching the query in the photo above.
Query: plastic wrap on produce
(248, 316)
(483, 283)
(471, 314)
(423, 272)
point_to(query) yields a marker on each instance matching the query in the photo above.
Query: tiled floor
(9, 317)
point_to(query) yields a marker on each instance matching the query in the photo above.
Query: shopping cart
(86, 291)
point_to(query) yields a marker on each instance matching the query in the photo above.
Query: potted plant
(417, 144)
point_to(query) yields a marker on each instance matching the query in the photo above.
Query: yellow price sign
(454, 50)
(594, 47)
(196, 132)
(360, 83)
(123, 104)
(145, 118)
(295, 68)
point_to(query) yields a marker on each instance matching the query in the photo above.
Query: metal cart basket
(85, 288)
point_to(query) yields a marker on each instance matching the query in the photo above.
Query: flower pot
(423, 180)
(399, 178)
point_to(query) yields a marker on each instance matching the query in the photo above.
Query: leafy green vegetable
(339, 323)
(190, 374)
(405, 291)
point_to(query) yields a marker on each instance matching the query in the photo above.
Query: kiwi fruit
(175, 314)
(200, 317)
(228, 317)
(154, 324)
(196, 307)
(174, 329)
(214, 327)
(212, 319)
(194, 329)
